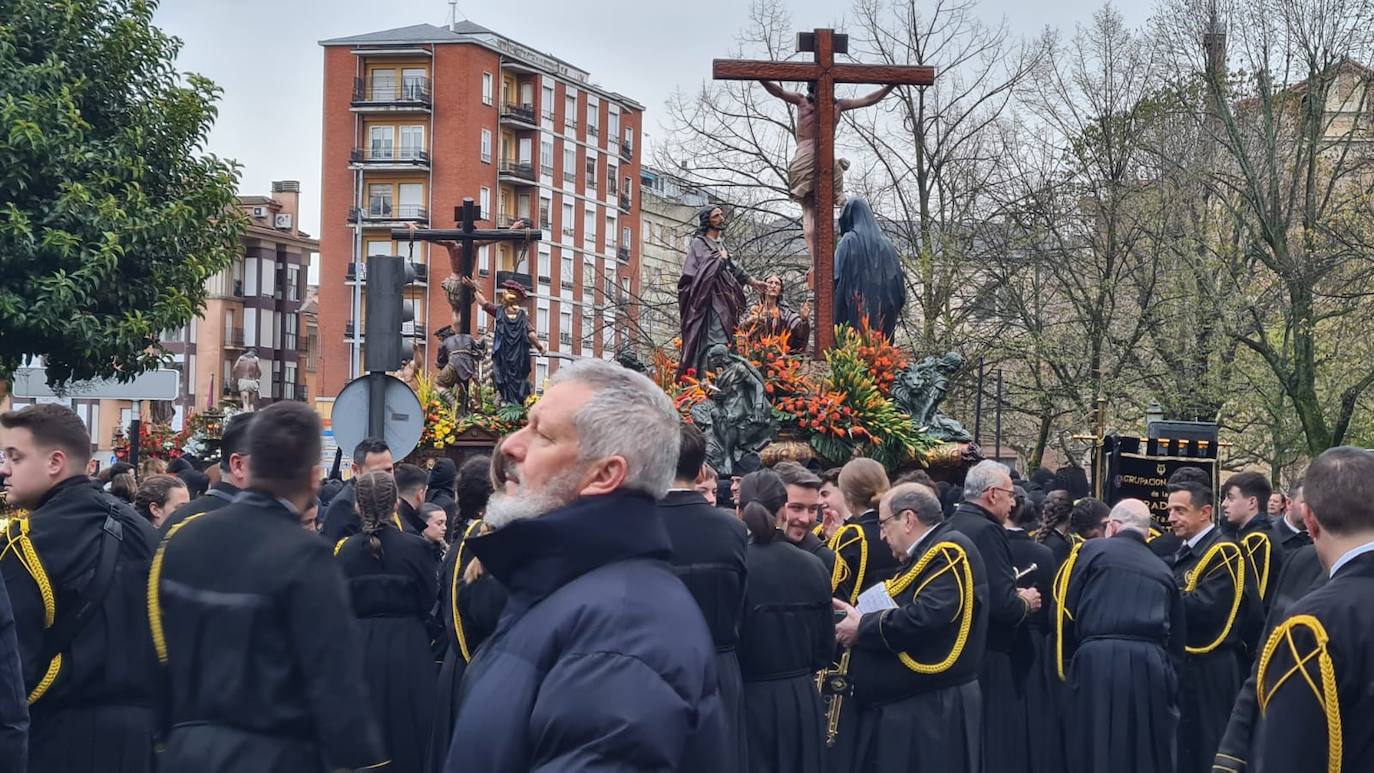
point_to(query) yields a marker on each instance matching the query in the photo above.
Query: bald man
(1121, 627)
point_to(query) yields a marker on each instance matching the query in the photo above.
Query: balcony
(388, 157)
(233, 338)
(624, 203)
(623, 254)
(517, 173)
(507, 220)
(412, 95)
(627, 151)
(592, 130)
(299, 393)
(289, 342)
(421, 273)
(521, 116)
(565, 339)
(348, 330)
(387, 216)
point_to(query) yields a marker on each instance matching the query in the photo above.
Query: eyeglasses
(882, 522)
(1008, 491)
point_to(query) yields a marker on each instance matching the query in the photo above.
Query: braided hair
(376, 502)
(1055, 512)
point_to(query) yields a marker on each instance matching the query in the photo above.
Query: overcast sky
(265, 55)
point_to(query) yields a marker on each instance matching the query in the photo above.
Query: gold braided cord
(339, 545)
(27, 556)
(154, 604)
(1326, 695)
(955, 559)
(54, 668)
(1254, 542)
(838, 542)
(1234, 563)
(1153, 535)
(1060, 591)
(453, 592)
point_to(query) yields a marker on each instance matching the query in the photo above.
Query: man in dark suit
(233, 473)
(341, 518)
(709, 550)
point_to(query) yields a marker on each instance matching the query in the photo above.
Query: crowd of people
(592, 597)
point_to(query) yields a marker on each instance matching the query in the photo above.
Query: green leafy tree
(111, 215)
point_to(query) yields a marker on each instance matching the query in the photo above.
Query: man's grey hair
(919, 499)
(983, 476)
(627, 416)
(1132, 514)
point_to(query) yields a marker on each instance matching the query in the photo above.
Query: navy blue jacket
(14, 704)
(601, 660)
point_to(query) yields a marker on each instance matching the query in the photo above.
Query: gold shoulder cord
(337, 545)
(1060, 591)
(17, 539)
(1234, 563)
(1258, 542)
(955, 561)
(1153, 535)
(839, 542)
(1326, 695)
(155, 577)
(453, 592)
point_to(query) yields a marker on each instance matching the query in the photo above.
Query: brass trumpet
(834, 685)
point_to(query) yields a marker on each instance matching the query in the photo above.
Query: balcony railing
(348, 329)
(238, 288)
(624, 203)
(289, 342)
(546, 170)
(299, 393)
(389, 155)
(523, 113)
(406, 212)
(565, 339)
(627, 151)
(507, 220)
(623, 254)
(592, 130)
(521, 169)
(410, 92)
(234, 337)
(569, 176)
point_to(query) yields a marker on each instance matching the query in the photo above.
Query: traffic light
(387, 311)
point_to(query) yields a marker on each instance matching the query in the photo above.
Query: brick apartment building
(418, 118)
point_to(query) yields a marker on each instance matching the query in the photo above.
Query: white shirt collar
(1192, 543)
(911, 551)
(1350, 555)
(1014, 528)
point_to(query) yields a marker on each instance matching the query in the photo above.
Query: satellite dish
(404, 418)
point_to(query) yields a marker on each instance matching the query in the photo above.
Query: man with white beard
(601, 658)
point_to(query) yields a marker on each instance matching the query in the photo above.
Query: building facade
(668, 218)
(419, 118)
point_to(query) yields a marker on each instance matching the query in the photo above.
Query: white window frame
(486, 146)
(487, 88)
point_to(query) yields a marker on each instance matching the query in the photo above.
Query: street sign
(403, 418)
(32, 383)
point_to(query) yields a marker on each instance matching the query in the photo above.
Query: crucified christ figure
(801, 173)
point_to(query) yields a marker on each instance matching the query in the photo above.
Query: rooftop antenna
(452, 15)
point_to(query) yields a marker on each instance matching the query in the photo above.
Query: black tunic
(1009, 648)
(1123, 634)
(786, 636)
(99, 713)
(341, 516)
(218, 496)
(1294, 731)
(1036, 702)
(470, 612)
(392, 597)
(926, 718)
(866, 559)
(817, 547)
(1265, 555)
(14, 704)
(264, 656)
(1216, 639)
(709, 556)
(1058, 544)
(1287, 537)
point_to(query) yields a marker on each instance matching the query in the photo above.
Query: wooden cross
(824, 73)
(470, 237)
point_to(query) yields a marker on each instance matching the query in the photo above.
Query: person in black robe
(512, 337)
(14, 704)
(860, 559)
(410, 490)
(1036, 703)
(710, 293)
(988, 500)
(787, 635)
(914, 667)
(251, 617)
(709, 547)
(341, 516)
(392, 579)
(1315, 683)
(1245, 497)
(440, 490)
(1122, 626)
(233, 473)
(1223, 613)
(1054, 525)
(76, 572)
(869, 284)
(802, 513)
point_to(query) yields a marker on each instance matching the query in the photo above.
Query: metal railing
(521, 169)
(299, 393)
(410, 91)
(514, 112)
(234, 337)
(624, 203)
(402, 212)
(627, 151)
(289, 342)
(623, 254)
(388, 154)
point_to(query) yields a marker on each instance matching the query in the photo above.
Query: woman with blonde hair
(393, 584)
(862, 558)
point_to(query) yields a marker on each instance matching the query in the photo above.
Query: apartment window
(627, 189)
(383, 85)
(379, 142)
(412, 142)
(545, 213)
(542, 320)
(545, 263)
(546, 103)
(592, 119)
(629, 136)
(483, 260)
(569, 164)
(412, 199)
(413, 84)
(565, 326)
(625, 236)
(611, 172)
(484, 203)
(567, 219)
(588, 331)
(541, 374)
(624, 289)
(546, 157)
(570, 112)
(565, 271)
(589, 224)
(591, 171)
(293, 284)
(378, 201)
(486, 146)
(486, 88)
(613, 126)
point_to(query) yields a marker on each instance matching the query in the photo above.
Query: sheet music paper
(875, 599)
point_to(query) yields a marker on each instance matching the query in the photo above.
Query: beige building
(668, 213)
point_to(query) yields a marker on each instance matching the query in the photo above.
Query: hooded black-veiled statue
(868, 275)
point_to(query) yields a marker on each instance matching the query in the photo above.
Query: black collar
(74, 482)
(1131, 534)
(682, 498)
(535, 557)
(411, 516)
(977, 510)
(1257, 523)
(268, 503)
(867, 516)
